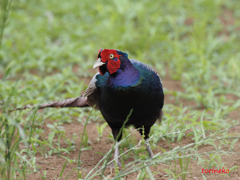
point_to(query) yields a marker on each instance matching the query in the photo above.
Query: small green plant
(184, 163)
(85, 139)
(100, 130)
(44, 176)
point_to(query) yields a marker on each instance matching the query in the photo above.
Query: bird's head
(109, 60)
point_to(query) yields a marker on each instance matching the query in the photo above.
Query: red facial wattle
(113, 64)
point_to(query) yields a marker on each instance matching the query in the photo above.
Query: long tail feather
(73, 102)
(160, 116)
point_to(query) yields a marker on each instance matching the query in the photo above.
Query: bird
(121, 86)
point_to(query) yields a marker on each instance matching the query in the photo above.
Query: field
(47, 52)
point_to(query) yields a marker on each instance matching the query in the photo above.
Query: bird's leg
(146, 137)
(117, 136)
(148, 148)
(116, 154)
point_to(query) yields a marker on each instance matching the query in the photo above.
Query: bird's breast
(116, 103)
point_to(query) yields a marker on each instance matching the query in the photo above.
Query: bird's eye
(111, 56)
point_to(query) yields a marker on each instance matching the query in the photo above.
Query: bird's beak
(98, 63)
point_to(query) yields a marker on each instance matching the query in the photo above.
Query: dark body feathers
(143, 94)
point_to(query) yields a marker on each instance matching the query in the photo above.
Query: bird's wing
(92, 86)
(134, 61)
(92, 93)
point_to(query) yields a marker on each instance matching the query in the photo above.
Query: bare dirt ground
(90, 158)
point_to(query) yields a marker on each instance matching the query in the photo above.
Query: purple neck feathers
(127, 75)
